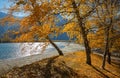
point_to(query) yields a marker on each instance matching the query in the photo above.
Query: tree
(79, 12)
(38, 24)
(107, 13)
(84, 35)
(42, 15)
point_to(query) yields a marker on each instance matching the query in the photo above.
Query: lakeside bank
(7, 65)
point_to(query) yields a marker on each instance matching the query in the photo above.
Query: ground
(71, 65)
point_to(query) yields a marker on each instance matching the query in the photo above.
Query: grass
(69, 66)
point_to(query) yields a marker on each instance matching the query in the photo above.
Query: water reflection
(16, 50)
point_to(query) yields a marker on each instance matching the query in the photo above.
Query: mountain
(61, 37)
(61, 21)
(5, 28)
(2, 14)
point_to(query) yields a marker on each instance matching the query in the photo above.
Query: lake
(16, 50)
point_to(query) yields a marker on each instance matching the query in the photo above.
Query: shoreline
(41, 41)
(7, 64)
(17, 50)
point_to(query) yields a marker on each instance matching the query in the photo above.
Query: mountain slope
(4, 29)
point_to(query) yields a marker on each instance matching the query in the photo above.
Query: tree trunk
(55, 46)
(106, 46)
(104, 59)
(88, 50)
(109, 53)
(109, 58)
(83, 33)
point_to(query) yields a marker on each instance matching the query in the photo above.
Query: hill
(69, 66)
(5, 28)
(2, 15)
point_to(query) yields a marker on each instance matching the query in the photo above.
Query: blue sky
(6, 4)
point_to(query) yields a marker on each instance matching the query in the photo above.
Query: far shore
(37, 41)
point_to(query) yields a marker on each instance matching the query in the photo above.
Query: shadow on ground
(102, 74)
(50, 68)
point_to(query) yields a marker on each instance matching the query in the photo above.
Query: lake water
(16, 50)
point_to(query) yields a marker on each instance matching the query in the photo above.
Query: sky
(7, 4)
(4, 4)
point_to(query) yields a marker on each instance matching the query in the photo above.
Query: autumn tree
(107, 13)
(39, 22)
(42, 16)
(79, 25)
